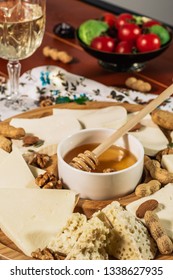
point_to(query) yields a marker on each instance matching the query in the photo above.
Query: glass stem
(14, 69)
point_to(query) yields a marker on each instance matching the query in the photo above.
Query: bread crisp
(91, 244)
(67, 237)
(129, 238)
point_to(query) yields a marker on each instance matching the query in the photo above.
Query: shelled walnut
(48, 181)
(45, 254)
(40, 160)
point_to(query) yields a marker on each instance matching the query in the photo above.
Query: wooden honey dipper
(88, 160)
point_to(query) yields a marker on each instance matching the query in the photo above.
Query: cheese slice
(14, 172)
(50, 129)
(31, 217)
(36, 171)
(165, 209)
(151, 137)
(3, 155)
(167, 162)
(109, 117)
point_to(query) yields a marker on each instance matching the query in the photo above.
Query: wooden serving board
(8, 250)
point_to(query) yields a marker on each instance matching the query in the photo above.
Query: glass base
(135, 67)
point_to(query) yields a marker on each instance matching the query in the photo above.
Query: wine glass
(22, 26)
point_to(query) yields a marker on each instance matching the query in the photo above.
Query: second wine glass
(22, 26)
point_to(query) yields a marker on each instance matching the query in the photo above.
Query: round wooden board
(87, 207)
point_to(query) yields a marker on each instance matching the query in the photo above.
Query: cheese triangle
(31, 217)
(3, 155)
(14, 172)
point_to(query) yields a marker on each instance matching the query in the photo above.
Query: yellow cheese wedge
(31, 217)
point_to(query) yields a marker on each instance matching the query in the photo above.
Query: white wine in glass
(22, 26)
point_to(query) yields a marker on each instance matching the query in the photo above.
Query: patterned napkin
(61, 86)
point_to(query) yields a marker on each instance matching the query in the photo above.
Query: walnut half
(45, 254)
(48, 181)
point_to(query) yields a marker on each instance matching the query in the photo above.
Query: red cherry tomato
(148, 42)
(110, 19)
(123, 19)
(103, 43)
(124, 47)
(129, 32)
(151, 23)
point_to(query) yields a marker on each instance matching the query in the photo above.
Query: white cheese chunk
(14, 172)
(151, 137)
(3, 155)
(51, 129)
(167, 162)
(36, 171)
(165, 209)
(109, 117)
(31, 217)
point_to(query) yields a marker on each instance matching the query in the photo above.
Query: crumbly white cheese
(91, 245)
(66, 238)
(129, 238)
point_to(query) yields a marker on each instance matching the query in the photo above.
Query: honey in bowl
(113, 159)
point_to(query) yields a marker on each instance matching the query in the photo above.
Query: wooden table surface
(159, 71)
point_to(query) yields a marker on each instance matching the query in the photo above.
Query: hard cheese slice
(3, 155)
(109, 117)
(165, 209)
(31, 217)
(167, 162)
(50, 129)
(14, 172)
(151, 137)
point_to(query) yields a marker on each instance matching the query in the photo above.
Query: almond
(30, 140)
(150, 205)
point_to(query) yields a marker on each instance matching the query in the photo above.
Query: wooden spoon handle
(133, 121)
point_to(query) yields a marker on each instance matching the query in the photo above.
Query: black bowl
(124, 62)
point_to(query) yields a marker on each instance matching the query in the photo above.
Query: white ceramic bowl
(100, 186)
